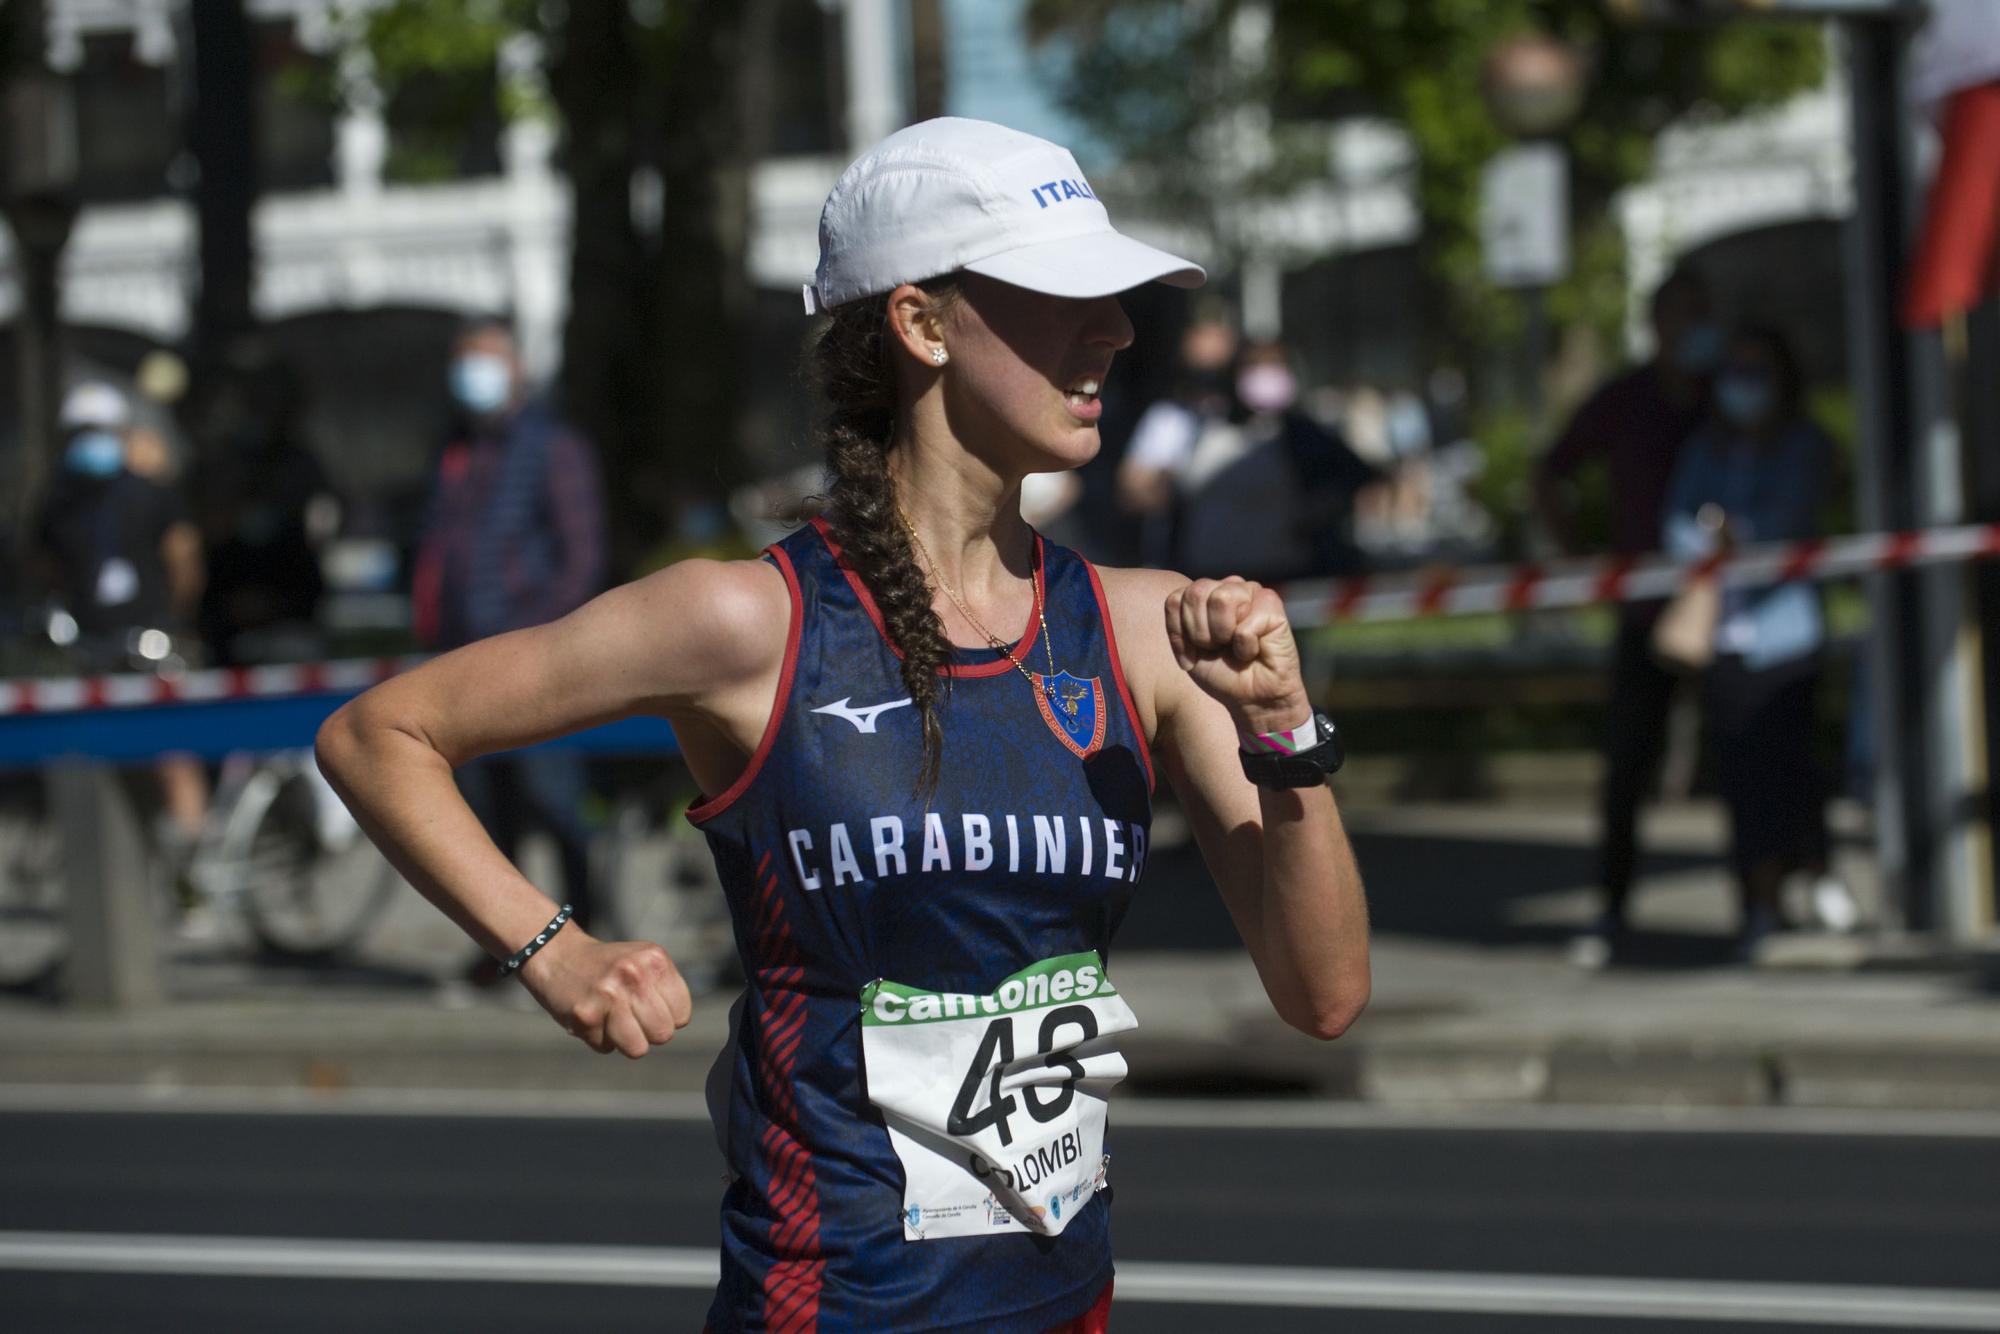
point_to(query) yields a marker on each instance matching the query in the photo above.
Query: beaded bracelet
(542, 937)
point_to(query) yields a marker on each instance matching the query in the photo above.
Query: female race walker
(928, 834)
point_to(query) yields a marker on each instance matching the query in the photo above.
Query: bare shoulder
(1136, 597)
(1139, 594)
(700, 640)
(707, 623)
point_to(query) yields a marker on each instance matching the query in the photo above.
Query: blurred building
(368, 245)
(1757, 202)
(373, 240)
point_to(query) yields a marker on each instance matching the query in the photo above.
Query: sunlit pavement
(1474, 998)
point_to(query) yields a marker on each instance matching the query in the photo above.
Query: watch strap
(1302, 768)
(1303, 737)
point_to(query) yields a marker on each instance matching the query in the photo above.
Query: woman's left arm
(1208, 660)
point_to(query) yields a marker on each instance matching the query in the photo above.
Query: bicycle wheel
(306, 896)
(34, 925)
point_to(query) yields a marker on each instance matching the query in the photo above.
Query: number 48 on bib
(995, 1102)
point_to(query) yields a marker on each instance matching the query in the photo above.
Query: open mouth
(1082, 394)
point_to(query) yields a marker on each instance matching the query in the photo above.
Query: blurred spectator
(1250, 483)
(1398, 426)
(1763, 467)
(1452, 516)
(119, 553)
(266, 510)
(1167, 433)
(116, 547)
(514, 536)
(152, 448)
(1634, 426)
(1282, 506)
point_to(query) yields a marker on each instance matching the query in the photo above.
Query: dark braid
(853, 370)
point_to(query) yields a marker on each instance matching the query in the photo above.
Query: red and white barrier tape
(139, 689)
(1451, 592)
(1439, 592)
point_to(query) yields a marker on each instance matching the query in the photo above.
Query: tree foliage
(1153, 78)
(666, 92)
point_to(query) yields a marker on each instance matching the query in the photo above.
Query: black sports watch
(1301, 768)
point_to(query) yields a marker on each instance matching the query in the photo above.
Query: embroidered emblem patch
(1076, 714)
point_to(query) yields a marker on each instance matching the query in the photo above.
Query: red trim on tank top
(791, 1285)
(1097, 1320)
(1118, 673)
(707, 808)
(956, 669)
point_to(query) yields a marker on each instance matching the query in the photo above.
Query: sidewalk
(1474, 1001)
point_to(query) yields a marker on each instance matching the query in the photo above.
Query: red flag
(1954, 266)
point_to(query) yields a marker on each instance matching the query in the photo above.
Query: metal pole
(1535, 351)
(114, 957)
(876, 78)
(1875, 241)
(1924, 653)
(1981, 415)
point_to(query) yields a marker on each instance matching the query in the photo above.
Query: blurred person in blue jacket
(1758, 471)
(514, 536)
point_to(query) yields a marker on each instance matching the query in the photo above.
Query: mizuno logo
(863, 719)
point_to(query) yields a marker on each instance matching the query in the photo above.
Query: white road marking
(338, 1258)
(1538, 1118)
(1559, 1295)
(1139, 1282)
(575, 1104)
(1136, 1112)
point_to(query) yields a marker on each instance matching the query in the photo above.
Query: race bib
(995, 1103)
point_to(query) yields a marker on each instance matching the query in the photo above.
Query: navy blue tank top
(818, 844)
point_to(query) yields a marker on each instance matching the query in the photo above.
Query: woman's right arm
(700, 644)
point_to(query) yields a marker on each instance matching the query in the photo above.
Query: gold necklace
(965, 611)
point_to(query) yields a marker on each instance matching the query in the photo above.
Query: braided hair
(853, 369)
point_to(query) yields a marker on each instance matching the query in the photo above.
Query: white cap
(95, 403)
(951, 194)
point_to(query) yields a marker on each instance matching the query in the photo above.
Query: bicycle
(277, 851)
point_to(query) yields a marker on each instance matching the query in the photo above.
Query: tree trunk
(37, 186)
(595, 78)
(653, 350)
(927, 56)
(222, 136)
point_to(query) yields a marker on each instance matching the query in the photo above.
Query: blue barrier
(256, 724)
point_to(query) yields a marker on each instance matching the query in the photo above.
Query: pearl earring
(937, 356)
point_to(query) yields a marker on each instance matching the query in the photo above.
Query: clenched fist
(1232, 637)
(623, 995)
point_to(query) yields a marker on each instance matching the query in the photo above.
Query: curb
(1622, 1075)
(505, 1052)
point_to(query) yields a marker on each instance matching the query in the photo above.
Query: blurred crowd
(186, 527)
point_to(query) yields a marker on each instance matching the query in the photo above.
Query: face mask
(482, 383)
(1700, 349)
(95, 454)
(1744, 400)
(1268, 388)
